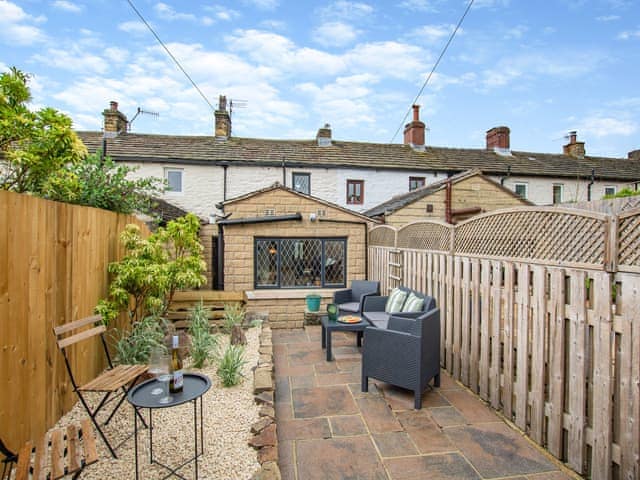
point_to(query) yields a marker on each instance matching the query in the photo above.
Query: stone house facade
(204, 171)
(278, 245)
(452, 200)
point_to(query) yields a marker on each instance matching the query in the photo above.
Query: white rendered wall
(540, 190)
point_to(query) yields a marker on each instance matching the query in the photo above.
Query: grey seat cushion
(352, 307)
(378, 319)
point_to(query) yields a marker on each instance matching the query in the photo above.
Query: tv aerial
(141, 112)
(237, 104)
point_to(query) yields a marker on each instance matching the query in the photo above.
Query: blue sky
(540, 67)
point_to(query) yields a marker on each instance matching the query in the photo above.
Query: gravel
(228, 416)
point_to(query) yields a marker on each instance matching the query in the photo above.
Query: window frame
(418, 179)
(301, 174)
(277, 284)
(526, 189)
(167, 171)
(361, 184)
(553, 193)
(606, 187)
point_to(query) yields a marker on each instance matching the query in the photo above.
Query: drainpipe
(593, 178)
(104, 148)
(447, 203)
(224, 184)
(220, 275)
(508, 175)
(284, 173)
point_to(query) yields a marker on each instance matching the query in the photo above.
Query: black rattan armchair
(406, 354)
(350, 301)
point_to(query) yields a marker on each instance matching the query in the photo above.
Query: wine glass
(156, 362)
(165, 377)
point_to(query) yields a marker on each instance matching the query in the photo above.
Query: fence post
(611, 244)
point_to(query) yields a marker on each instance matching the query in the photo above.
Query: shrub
(203, 343)
(135, 346)
(234, 314)
(625, 192)
(230, 368)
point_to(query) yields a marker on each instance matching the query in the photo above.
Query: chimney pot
(113, 105)
(222, 119)
(414, 131)
(574, 148)
(634, 155)
(499, 138)
(115, 122)
(323, 137)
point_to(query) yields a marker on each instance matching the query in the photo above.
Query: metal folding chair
(112, 380)
(8, 461)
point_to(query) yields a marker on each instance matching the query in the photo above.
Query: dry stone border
(265, 435)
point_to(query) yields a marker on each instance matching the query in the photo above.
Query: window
(521, 190)
(173, 176)
(300, 262)
(301, 182)
(415, 182)
(557, 193)
(609, 190)
(355, 192)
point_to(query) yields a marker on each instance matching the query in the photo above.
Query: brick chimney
(223, 119)
(323, 137)
(574, 148)
(634, 155)
(414, 131)
(115, 122)
(498, 138)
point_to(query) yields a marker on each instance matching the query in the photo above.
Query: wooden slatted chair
(67, 452)
(111, 381)
(8, 461)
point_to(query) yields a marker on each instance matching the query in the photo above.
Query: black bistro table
(195, 385)
(329, 326)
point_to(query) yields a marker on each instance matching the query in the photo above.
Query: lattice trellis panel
(426, 235)
(543, 235)
(629, 239)
(382, 236)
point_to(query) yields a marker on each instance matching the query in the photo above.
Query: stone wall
(284, 308)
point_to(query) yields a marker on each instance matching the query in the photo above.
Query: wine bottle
(177, 379)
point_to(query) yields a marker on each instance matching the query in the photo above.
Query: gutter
(269, 219)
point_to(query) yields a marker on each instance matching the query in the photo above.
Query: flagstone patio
(328, 429)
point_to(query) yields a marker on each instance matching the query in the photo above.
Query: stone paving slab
(328, 429)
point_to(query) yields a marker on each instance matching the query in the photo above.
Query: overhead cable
(453, 34)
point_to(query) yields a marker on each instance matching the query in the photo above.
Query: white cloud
(72, 59)
(273, 24)
(604, 126)
(344, 10)
(626, 35)
(264, 4)
(608, 18)
(490, 3)
(15, 28)
(419, 5)
(388, 59)
(335, 34)
(434, 33)
(516, 32)
(167, 12)
(133, 26)
(223, 13)
(67, 6)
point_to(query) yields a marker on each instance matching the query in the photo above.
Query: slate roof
(399, 201)
(307, 153)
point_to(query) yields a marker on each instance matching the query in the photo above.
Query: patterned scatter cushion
(395, 301)
(413, 304)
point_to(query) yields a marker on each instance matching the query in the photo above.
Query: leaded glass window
(300, 262)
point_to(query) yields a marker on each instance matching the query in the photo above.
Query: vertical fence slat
(508, 301)
(538, 322)
(465, 325)
(474, 359)
(577, 369)
(522, 355)
(457, 312)
(448, 303)
(496, 316)
(630, 378)
(602, 378)
(485, 302)
(556, 362)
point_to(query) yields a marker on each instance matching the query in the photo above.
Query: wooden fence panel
(522, 342)
(53, 269)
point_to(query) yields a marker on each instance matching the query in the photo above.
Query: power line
(171, 55)
(453, 34)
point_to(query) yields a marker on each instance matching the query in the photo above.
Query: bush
(230, 368)
(625, 192)
(234, 314)
(203, 343)
(135, 347)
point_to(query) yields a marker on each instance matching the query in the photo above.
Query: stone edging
(265, 438)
